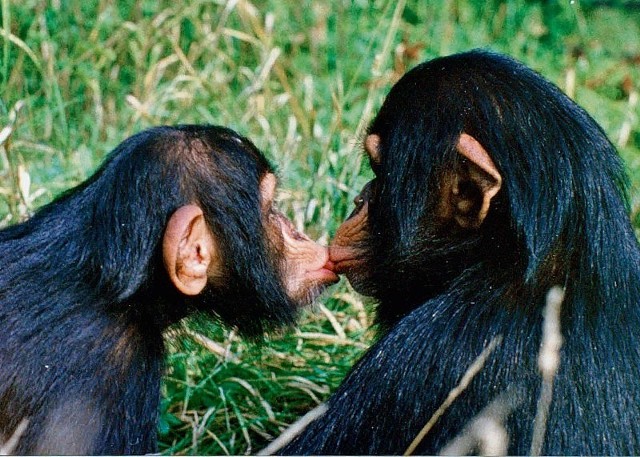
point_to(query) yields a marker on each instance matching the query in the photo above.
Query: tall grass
(302, 79)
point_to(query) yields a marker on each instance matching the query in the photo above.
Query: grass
(302, 79)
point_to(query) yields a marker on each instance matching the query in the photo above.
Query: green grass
(302, 79)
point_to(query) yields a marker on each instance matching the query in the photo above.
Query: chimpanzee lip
(344, 259)
(318, 281)
(326, 276)
(347, 265)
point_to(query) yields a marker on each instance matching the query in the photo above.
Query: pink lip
(326, 275)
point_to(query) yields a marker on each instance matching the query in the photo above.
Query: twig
(486, 432)
(548, 363)
(212, 346)
(10, 446)
(471, 372)
(334, 322)
(293, 430)
(329, 339)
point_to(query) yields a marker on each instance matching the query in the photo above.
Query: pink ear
(188, 249)
(469, 147)
(483, 173)
(372, 146)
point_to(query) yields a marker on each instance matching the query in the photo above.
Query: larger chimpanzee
(490, 187)
(179, 220)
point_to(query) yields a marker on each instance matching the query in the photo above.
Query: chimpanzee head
(475, 159)
(192, 209)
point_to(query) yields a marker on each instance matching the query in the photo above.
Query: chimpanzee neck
(598, 265)
(471, 260)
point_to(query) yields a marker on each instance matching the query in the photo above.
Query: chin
(310, 295)
(360, 282)
(315, 287)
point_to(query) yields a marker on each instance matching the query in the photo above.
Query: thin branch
(294, 429)
(486, 432)
(11, 444)
(548, 363)
(471, 372)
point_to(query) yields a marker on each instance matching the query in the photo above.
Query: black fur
(560, 218)
(84, 296)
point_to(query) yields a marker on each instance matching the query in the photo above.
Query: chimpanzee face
(193, 255)
(463, 199)
(352, 241)
(306, 269)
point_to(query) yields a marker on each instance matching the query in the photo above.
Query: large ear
(475, 182)
(188, 250)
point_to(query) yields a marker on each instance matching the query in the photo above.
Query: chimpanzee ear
(476, 181)
(188, 250)
(372, 146)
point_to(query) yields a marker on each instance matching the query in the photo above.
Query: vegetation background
(302, 78)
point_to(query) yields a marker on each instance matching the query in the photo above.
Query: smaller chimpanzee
(179, 220)
(491, 187)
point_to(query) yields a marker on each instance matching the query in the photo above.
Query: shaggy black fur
(84, 296)
(560, 218)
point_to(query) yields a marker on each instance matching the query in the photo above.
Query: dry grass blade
(293, 430)
(376, 71)
(212, 346)
(485, 432)
(249, 13)
(548, 363)
(631, 118)
(468, 376)
(333, 321)
(329, 339)
(23, 46)
(10, 446)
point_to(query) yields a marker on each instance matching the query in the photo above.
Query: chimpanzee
(491, 186)
(178, 220)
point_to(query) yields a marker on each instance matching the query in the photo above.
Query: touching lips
(342, 258)
(328, 271)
